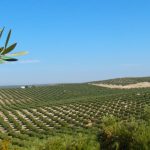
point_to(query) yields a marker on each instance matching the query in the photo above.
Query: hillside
(41, 112)
(124, 81)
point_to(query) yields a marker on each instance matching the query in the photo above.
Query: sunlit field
(42, 112)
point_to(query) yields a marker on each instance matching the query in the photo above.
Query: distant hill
(124, 81)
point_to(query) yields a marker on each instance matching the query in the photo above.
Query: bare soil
(130, 86)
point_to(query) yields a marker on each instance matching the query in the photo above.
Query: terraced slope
(43, 111)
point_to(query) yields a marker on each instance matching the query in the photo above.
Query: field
(38, 113)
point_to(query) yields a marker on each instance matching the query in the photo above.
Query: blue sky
(76, 40)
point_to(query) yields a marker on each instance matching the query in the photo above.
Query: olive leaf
(10, 48)
(8, 37)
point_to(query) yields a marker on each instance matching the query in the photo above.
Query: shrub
(118, 134)
(66, 142)
(4, 144)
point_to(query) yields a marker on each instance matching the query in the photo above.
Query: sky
(76, 40)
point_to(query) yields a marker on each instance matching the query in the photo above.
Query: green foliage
(146, 113)
(67, 142)
(4, 50)
(1, 32)
(7, 39)
(58, 142)
(42, 112)
(118, 134)
(5, 145)
(9, 49)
